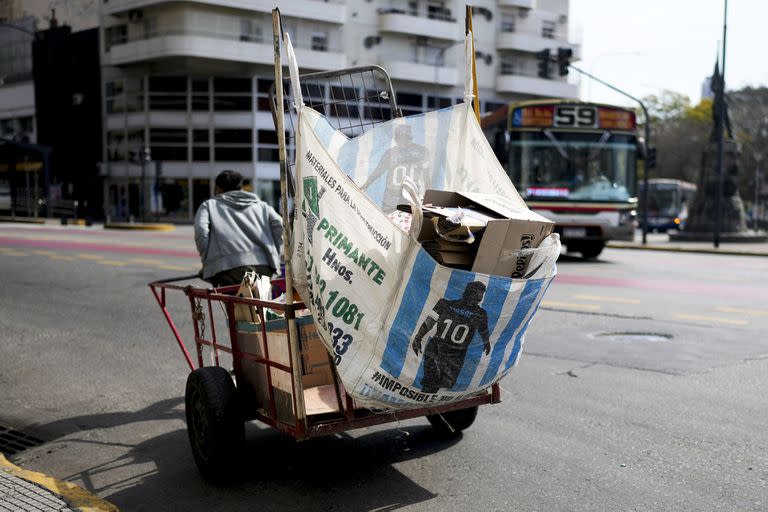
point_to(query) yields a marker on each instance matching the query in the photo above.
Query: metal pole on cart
(277, 32)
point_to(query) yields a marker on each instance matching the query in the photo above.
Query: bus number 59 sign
(575, 116)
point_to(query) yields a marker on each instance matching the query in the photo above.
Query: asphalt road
(642, 387)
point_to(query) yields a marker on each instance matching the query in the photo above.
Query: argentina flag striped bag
(404, 331)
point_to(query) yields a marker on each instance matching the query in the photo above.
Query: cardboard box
(507, 230)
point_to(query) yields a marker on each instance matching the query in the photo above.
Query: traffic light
(650, 158)
(543, 58)
(564, 60)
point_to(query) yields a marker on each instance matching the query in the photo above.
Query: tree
(680, 133)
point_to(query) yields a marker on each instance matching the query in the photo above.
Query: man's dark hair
(229, 180)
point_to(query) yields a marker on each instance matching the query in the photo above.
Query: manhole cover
(13, 441)
(627, 337)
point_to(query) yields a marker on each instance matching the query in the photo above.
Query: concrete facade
(190, 80)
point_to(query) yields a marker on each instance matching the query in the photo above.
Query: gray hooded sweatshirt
(236, 229)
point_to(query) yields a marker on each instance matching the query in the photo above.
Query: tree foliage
(682, 132)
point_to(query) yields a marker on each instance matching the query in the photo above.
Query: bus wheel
(591, 250)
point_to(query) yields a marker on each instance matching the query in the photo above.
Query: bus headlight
(627, 217)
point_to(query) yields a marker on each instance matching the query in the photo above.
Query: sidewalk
(30, 491)
(661, 242)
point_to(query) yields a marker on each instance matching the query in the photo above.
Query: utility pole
(649, 162)
(720, 94)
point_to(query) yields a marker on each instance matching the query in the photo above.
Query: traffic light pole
(644, 213)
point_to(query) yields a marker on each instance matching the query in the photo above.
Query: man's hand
(487, 348)
(416, 346)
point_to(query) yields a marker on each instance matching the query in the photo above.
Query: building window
(507, 22)
(438, 102)
(233, 145)
(115, 35)
(250, 30)
(201, 145)
(263, 87)
(200, 95)
(168, 144)
(268, 150)
(548, 29)
(168, 93)
(150, 27)
(507, 65)
(343, 102)
(437, 10)
(232, 94)
(410, 103)
(319, 41)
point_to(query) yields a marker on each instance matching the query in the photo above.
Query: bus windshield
(570, 166)
(663, 201)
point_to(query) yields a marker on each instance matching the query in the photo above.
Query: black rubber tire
(214, 424)
(451, 423)
(591, 250)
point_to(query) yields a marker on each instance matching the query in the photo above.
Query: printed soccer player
(456, 321)
(406, 158)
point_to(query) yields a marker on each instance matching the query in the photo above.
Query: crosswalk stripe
(602, 298)
(752, 312)
(710, 319)
(570, 305)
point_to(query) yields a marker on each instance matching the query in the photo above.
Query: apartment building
(186, 84)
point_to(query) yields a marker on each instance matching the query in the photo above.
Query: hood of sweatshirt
(238, 198)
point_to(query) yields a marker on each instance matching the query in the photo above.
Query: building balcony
(399, 22)
(520, 84)
(170, 44)
(318, 10)
(524, 4)
(528, 41)
(419, 72)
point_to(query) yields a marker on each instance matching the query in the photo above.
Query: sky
(645, 46)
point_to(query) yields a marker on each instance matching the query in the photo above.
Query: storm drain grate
(13, 441)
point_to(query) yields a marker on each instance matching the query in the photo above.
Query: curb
(25, 220)
(140, 226)
(650, 247)
(76, 497)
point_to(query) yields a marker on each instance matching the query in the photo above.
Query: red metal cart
(272, 379)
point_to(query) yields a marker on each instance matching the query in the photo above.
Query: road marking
(11, 252)
(603, 298)
(570, 305)
(59, 257)
(146, 261)
(91, 256)
(177, 267)
(112, 263)
(44, 253)
(710, 319)
(753, 312)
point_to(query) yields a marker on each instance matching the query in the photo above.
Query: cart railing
(347, 414)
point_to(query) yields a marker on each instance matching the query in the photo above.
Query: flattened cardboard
(498, 253)
(513, 229)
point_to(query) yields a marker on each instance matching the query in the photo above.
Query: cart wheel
(451, 423)
(214, 424)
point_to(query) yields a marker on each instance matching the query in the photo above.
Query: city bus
(668, 203)
(573, 162)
